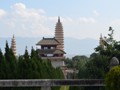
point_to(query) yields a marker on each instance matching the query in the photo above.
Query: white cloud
(54, 18)
(96, 13)
(67, 21)
(29, 22)
(2, 13)
(25, 21)
(64, 20)
(42, 30)
(19, 6)
(115, 24)
(19, 9)
(87, 20)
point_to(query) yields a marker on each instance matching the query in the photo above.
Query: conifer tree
(7, 52)
(2, 66)
(1, 56)
(33, 53)
(20, 68)
(10, 62)
(26, 55)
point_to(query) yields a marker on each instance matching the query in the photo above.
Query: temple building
(13, 45)
(53, 48)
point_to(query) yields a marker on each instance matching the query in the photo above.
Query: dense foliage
(98, 65)
(26, 67)
(111, 47)
(112, 79)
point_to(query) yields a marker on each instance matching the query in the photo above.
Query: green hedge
(112, 79)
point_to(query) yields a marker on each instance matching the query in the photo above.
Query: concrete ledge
(50, 82)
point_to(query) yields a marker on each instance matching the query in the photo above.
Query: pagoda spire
(59, 35)
(58, 19)
(13, 45)
(101, 42)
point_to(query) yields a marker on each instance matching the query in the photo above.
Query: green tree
(77, 58)
(34, 54)
(2, 66)
(98, 66)
(111, 47)
(10, 62)
(112, 79)
(27, 67)
(26, 55)
(69, 63)
(7, 50)
(76, 62)
(1, 56)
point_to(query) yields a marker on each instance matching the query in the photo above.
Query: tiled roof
(48, 41)
(50, 51)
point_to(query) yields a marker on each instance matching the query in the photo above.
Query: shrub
(112, 79)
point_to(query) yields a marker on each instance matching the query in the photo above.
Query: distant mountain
(80, 47)
(72, 46)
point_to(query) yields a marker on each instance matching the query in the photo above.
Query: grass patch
(64, 88)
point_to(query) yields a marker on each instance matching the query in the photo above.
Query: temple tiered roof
(48, 41)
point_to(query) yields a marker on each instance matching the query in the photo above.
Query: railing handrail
(50, 82)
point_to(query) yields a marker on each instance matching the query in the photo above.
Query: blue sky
(80, 18)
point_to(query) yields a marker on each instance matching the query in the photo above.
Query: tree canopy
(27, 66)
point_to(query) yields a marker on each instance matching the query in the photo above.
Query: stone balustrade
(50, 82)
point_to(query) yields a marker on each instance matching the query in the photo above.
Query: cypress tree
(2, 66)
(7, 52)
(1, 56)
(33, 53)
(26, 55)
(10, 62)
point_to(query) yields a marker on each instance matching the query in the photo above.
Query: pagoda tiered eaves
(13, 45)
